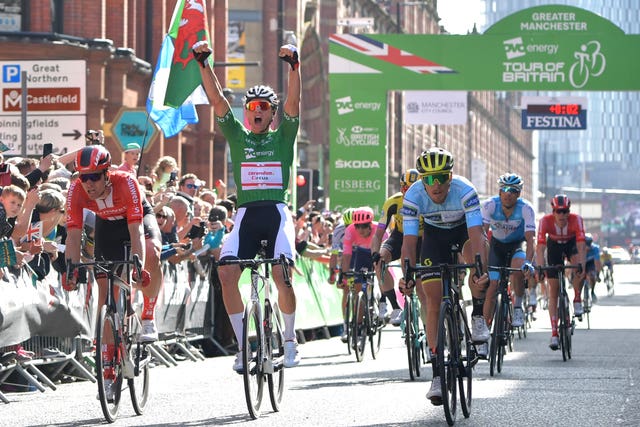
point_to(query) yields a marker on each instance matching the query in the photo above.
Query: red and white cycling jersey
(549, 229)
(124, 201)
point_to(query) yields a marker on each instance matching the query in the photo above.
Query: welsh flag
(176, 86)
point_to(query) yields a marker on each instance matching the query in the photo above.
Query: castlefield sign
(545, 48)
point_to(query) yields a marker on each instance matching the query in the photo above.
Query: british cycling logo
(590, 62)
(346, 105)
(359, 136)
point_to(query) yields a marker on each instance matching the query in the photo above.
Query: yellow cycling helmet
(347, 216)
(433, 160)
(409, 177)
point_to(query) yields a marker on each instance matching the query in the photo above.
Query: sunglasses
(512, 190)
(192, 186)
(253, 105)
(562, 211)
(94, 177)
(160, 216)
(440, 178)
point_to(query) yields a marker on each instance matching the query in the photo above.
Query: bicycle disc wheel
(276, 380)
(447, 362)
(109, 372)
(359, 326)
(409, 338)
(495, 335)
(139, 384)
(374, 326)
(252, 357)
(466, 363)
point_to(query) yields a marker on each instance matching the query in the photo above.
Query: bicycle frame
(363, 309)
(502, 332)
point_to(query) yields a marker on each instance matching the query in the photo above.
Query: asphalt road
(599, 386)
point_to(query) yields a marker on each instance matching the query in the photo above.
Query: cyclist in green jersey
(261, 159)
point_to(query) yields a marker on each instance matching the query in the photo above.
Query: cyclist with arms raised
(561, 233)
(512, 223)
(389, 250)
(262, 160)
(122, 214)
(450, 208)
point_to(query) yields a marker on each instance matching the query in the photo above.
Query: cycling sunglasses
(253, 105)
(562, 211)
(512, 190)
(192, 186)
(440, 178)
(94, 177)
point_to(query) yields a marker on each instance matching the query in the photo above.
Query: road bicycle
(456, 354)
(502, 326)
(566, 323)
(119, 354)
(363, 308)
(263, 345)
(415, 338)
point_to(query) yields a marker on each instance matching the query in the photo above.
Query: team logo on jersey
(472, 202)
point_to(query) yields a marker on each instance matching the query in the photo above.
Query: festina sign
(554, 121)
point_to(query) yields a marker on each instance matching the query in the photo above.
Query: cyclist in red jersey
(561, 233)
(122, 214)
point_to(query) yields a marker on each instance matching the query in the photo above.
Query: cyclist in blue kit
(450, 208)
(512, 222)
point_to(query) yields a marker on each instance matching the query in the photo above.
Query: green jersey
(261, 162)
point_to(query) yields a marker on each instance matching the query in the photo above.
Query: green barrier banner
(328, 297)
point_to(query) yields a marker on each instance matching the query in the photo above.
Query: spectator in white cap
(131, 158)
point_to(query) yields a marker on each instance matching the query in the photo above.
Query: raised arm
(289, 54)
(212, 88)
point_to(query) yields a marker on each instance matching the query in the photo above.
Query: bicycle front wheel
(108, 369)
(586, 301)
(359, 326)
(409, 338)
(276, 347)
(496, 335)
(375, 324)
(252, 352)
(563, 320)
(139, 384)
(348, 320)
(467, 360)
(447, 355)
(505, 335)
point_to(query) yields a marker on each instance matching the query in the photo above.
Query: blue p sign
(11, 73)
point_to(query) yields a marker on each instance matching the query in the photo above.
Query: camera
(197, 231)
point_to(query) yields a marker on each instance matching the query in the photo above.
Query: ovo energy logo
(514, 48)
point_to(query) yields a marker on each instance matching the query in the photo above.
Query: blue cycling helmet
(511, 180)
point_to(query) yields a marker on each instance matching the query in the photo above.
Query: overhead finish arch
(544, 48)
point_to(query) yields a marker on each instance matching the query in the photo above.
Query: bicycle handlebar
(543, 268)
(257, 262)
(105, 266)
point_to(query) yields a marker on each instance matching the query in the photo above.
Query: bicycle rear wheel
(447, 354)
(252, 351)
(108, 369)
(139, 384)
(410, 337)
(375, 324)
(276, 379)
(359, 326)
(465, 368)
(496, 334)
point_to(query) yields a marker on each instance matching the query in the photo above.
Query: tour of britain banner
(545, 48)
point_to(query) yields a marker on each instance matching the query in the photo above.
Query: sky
(458, 16)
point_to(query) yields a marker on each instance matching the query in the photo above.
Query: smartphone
(47, 149)
(172, 177)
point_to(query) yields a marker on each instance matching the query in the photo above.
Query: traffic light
(304, 182)
(317, 192)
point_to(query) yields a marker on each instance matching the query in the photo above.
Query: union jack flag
(34, 232)
(385, 52)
